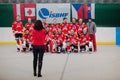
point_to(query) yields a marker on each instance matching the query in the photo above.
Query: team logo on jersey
(45, 13)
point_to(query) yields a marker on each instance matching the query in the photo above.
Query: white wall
(104, 34)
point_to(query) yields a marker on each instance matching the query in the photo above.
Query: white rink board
(104, 34)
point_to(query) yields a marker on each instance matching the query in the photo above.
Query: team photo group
(65, 37)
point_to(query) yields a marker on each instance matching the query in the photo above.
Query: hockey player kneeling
(27, 46)
(73, 40)
(86, 40)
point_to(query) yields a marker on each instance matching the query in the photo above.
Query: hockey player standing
(73, 25)
(29, 25)
(17, 28)
(54, 27)
(65, 26)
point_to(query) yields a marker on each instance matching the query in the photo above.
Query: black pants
(82, 48)
(18, 35)
(38, 52)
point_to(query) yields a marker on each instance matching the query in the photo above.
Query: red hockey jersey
(73, 39)
(65, 28)
(54, 28)
(17, 27)
(84, 38)
(28, 26)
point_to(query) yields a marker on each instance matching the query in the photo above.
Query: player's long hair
(38, 25)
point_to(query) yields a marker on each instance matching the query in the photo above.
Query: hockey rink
(101, 65)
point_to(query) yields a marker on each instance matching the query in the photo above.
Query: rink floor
(102, 65)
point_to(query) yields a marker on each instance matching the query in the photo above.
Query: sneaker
(35, 74)
(30, 49)
(39, 75)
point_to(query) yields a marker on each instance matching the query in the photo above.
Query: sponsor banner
(51, 11)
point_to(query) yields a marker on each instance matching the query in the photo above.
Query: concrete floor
(102, 65)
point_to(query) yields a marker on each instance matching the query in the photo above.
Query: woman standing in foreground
(38, 41)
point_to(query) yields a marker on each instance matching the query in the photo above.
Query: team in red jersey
(67, 37)
(63, 37)
(23, 34)
(17, 28)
